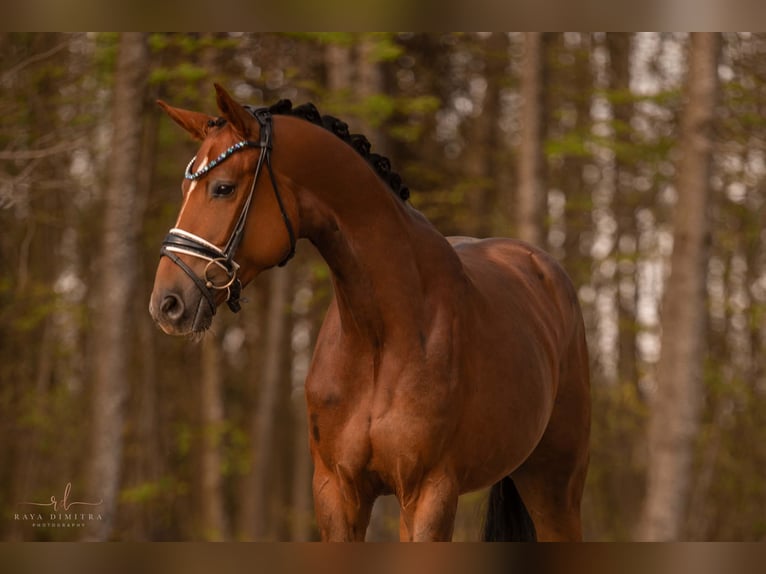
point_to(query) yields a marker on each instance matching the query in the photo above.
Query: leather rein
(179, 241)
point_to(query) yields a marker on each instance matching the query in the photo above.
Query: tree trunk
(625, 204)
(144, 462)
(530, 200)
(117, 274)
(264, 424)
(369, 76)
(303, 338)
(211, 413)
(39, 262)
(338, 66)
(255, 329)
(483, 139)
(674, 419)
(578, 210)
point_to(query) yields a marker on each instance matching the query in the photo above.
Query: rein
(180, 241)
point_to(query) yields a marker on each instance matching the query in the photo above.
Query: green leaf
(376, 109)
(384, 48)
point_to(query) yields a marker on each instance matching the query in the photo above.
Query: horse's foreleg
(429, 514)
(342, 511)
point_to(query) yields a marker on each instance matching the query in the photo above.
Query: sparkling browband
(217, 161)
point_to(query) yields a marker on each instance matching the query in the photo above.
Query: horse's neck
(375, 259)
(376, 246)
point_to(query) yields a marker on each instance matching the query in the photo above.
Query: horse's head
(234, 221)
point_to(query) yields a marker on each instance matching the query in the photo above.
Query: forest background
(637, 160)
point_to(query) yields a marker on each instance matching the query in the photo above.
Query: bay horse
(443, 365)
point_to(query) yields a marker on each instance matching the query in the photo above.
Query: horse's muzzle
(178, 313)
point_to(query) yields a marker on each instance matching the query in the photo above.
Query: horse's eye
(223, 189)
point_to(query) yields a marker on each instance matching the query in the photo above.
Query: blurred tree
(675, 410)
(728, 447)
(447, 109)
(338, 66)
(32, 377)
(484, 154)
(212, 517)
(265, 433)
(530, 203)
(307, 316)
(117, 281)
(625, 204)
(575, 118)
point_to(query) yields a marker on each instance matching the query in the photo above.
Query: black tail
(507, 517)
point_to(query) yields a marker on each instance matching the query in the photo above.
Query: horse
(443, 365)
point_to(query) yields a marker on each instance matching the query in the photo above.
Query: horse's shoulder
(513, 261)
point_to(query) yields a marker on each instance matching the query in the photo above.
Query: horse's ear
(240, 119)
(196, 123)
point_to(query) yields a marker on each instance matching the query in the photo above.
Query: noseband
(179, 241)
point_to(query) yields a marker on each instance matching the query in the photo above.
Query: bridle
(180, 241)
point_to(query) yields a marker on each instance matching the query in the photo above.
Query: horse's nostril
(172, 307)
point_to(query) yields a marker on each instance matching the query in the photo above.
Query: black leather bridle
(179, 241)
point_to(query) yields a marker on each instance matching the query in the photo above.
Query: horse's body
(443, 365)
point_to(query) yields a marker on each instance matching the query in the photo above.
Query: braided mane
(381, 164)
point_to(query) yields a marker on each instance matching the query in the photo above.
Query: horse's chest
(373, 426)
(378, 409)
(338, 418)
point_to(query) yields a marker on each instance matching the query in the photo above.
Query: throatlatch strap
(283, 211)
